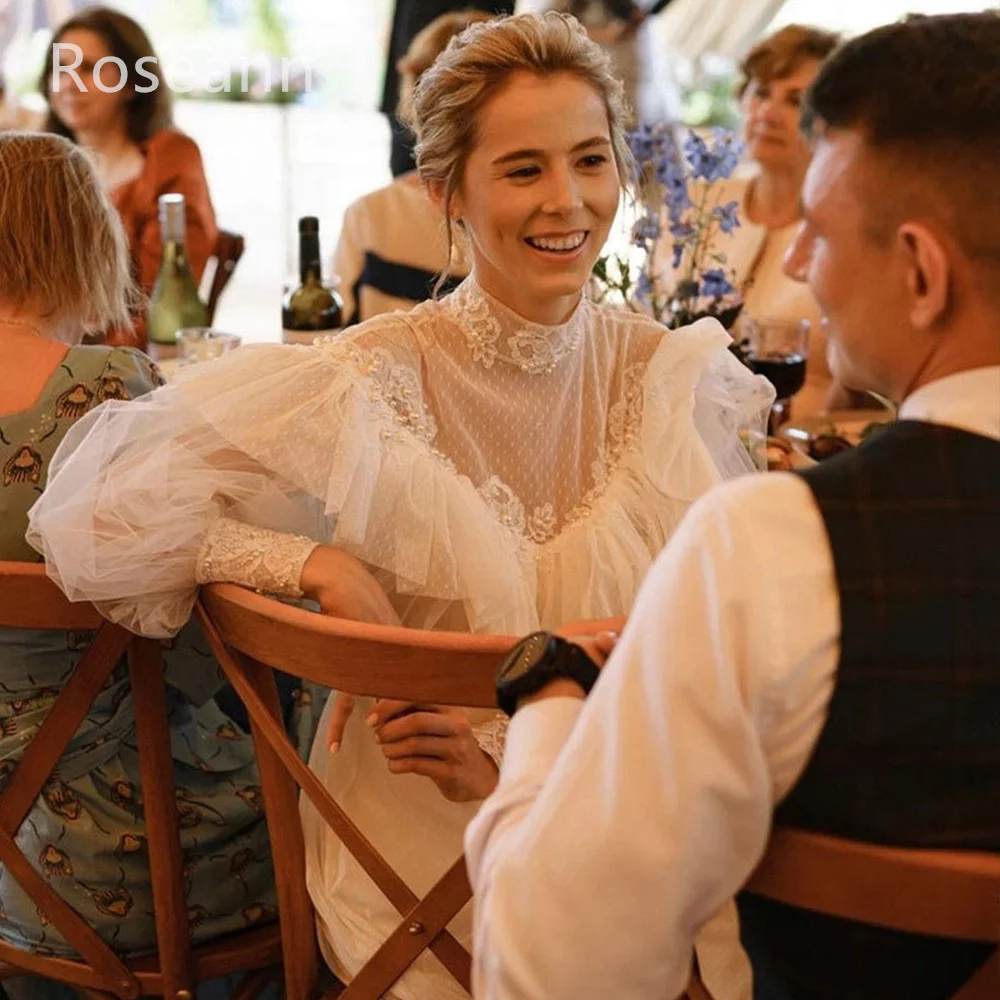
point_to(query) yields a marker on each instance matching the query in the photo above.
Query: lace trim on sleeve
(492, 738)
(269, 561)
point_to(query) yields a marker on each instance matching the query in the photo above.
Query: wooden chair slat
(951, 894)
(162, 823)
(114, 976)
(229, 249)
(60, 725)
(29, 599)
(418, 931)
(985, 984)
(402, 663)
(298, 933)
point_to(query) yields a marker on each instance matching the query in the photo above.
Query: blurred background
(273, 155)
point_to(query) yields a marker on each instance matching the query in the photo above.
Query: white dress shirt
(622, 823)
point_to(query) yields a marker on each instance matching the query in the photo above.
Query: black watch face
(524, 656)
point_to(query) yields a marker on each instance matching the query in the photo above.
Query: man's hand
(598, 647)
(437, 742)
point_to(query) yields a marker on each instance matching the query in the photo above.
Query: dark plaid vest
(910, 752)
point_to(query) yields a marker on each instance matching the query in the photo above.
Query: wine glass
(778, 350)
(199, 343)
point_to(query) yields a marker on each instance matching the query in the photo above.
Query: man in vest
(820, 650)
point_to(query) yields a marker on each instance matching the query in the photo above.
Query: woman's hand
(342, 587)
(436, 741)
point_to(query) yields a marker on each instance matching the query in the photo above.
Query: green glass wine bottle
(174, 303)
(310, 309)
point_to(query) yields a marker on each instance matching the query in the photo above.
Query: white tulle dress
(496, 476)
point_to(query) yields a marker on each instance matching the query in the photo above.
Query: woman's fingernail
(334, 746)
(371, 719)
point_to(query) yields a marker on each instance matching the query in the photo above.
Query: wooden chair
(28, 599)
(947, 894)
(229, 249)
(378, 661)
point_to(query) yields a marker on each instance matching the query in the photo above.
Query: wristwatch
(536, 660)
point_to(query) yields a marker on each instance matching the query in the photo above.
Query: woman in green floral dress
(63, 271)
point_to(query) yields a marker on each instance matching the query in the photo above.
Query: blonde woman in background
(393, 245)
(506, 458)
(64, 272)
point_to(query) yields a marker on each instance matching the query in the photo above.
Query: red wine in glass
(786, 372)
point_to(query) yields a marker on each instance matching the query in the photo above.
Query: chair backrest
(229, 249)
(939, 893)
(29, 600)
(360, 659)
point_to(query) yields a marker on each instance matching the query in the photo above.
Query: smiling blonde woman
(508, 457)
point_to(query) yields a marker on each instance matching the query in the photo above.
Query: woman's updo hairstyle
(445, 105)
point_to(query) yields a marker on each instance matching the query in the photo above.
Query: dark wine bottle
(310, 309)
(174, 303)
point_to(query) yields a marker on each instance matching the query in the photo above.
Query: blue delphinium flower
(704, 164)
(642, 142)
(727, 150)
(644, 288)
(714, 283)
(671, 175)
(727, 216)
(682, 231)
(678, 249)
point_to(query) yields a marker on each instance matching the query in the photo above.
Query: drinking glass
(778, 350)
(200, 343)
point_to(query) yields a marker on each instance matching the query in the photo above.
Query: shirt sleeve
(596, 862)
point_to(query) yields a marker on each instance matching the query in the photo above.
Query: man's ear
(928, 273)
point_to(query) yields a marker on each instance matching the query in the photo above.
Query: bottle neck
(174, 254)
(309, 262)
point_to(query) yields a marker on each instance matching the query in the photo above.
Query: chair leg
(295, 912)
(173, 935)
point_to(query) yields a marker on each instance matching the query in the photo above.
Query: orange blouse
(172, 166)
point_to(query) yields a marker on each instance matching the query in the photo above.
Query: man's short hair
(925, 95)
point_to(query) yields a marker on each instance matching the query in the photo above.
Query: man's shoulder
(754, 499)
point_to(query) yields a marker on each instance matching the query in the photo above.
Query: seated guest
(138, 153)
(820, 649)
(64, 271)
(776, 73)
(393, 244)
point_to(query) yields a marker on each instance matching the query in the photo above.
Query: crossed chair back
(229, 249)
(28, 599)
(946, 894)
(369, 660)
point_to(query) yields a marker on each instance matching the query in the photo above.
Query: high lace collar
(495, 332)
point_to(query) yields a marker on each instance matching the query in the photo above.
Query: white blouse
(495, 475)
